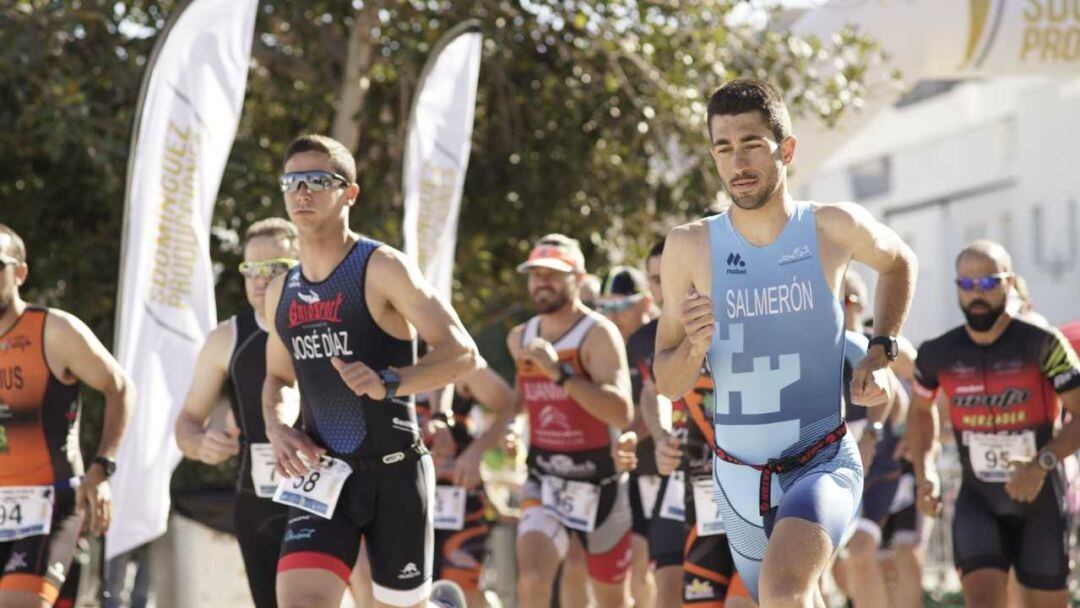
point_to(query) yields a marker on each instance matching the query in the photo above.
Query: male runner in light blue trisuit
(755, 289)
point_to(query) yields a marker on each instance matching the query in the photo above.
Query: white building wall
(986, 160)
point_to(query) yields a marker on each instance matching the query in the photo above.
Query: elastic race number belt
(784, 465)
(409, 454)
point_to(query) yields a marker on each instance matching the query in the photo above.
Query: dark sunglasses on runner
(986, 283)
(7, 260)
(316, 181)
(267, 269)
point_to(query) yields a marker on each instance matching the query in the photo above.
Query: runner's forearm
(922, 436)
(275, 408)
(444, 364)
(650, 413)
(677, 369)
(1067, 442)
(607, 403)
(119, 404)
(189, 434)
(892, 298)
(494, 434)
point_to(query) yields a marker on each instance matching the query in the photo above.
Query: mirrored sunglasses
(316, 181)
(610, 307)
(990, 281)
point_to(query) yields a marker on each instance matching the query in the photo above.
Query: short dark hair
(657, 248)
(15, 248)
(274, 227)
(751, 95)
(340, 158)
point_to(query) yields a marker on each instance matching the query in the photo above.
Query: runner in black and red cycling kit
(1005, 381)
(687, 540)
(624, 300)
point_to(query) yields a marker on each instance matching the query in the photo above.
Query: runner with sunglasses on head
(624, 299)
(344, 328)
(1005, 380)
(45, 496)
(233, 361)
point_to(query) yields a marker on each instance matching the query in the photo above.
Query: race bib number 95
(992, 455)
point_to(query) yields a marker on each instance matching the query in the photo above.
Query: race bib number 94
(992, 455)
(318, 491)
(573, 503)
(25, 511)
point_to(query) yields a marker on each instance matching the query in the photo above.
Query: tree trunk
(354, 85)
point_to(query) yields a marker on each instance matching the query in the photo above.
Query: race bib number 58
(318, 491)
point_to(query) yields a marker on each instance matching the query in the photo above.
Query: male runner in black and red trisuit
(687, 539)
(233, 361)
(1005, 381)
(344, 327)
(624, 299)
(45, 497)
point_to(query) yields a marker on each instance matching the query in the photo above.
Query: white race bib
(709, 521)
(573, 503)
(649, 490)
(449, 507)
(673, 506)
(25, 511)
(991, 454)
(263, 473)
(318, 491)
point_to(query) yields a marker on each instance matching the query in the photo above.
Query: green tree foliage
(589, 121)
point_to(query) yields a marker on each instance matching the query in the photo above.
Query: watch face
(1047, 460)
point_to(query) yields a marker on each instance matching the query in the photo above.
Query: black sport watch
(391, 381)
(566, 371)
(892, 348)
(108, 465)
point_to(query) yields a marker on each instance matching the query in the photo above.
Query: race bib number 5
(707, 512)
(25, 511)
(992, 455)
(573, 503)
(449, 507)
(318, 491)
(674, 504)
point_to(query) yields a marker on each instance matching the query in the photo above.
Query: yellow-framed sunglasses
(267, 269)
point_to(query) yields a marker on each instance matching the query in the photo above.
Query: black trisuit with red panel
(1004, 405)
(387, 498)
(40, 464)
(259, 521)
(460, 546)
